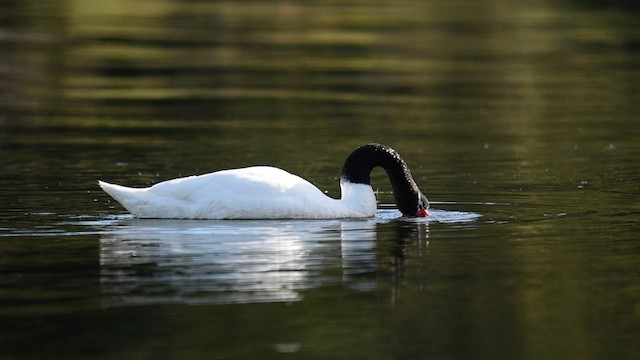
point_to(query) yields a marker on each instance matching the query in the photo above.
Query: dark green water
(519, 122)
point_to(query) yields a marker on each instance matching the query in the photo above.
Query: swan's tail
(126, 196)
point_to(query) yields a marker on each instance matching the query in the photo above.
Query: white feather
(259, 192)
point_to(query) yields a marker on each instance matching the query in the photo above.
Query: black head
(423, 206)
(411, 201)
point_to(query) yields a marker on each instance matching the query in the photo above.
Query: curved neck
(357, 169)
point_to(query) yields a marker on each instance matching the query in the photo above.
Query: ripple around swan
(435, 215)
(125, 223)
(451, 216)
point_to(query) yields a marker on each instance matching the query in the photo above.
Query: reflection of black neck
(357, 169)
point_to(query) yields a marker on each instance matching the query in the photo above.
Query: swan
(265, 192)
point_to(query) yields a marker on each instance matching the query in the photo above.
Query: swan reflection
(160, 261)
(237, 261)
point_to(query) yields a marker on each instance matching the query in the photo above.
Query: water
(518, 121)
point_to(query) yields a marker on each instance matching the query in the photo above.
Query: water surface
(518, 121)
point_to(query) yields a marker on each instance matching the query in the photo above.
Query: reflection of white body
(358, 243)
(160, 261)
(259, 192)
(182, 261)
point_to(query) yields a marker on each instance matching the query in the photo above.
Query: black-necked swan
(264, 192)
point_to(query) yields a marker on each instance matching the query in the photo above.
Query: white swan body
(264, 192)
(259, 192)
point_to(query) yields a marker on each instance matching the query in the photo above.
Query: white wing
(255, 192)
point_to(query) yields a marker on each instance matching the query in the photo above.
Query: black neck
(357, 169)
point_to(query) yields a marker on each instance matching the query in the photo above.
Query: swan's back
(254, 192)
